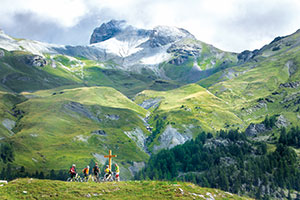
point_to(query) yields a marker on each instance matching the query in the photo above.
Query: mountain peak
(107, 30)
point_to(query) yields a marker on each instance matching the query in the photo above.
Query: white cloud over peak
(232, 25)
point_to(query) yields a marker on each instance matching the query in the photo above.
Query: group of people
(96, 172)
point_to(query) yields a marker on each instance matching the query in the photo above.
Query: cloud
(232, 25)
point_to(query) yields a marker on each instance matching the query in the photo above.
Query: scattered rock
(35, 60)
(281, 122)
(276, 48)
(2, 53)
(247, 55)
(99, 132)
(136, 167)
(25, 192)
(213, 143)
(227, 161)
(290, 84)
(255, 129)
(88, 196)
(150, 103)
(81, 138)
(170, 138)
(292, 97)
(210, 196)
(80, 109)
(269, 100)
(181, 191)
(97, 194)
(9, 124)
(291, 67)
(112, 117)
(137, 135)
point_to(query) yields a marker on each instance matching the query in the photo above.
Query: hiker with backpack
(86, 172)
(96, 172)
(72, 171)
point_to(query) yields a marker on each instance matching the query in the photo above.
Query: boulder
(255, 129)
(35, 60)
(247, 55)
(290, 84)
(99, 132)
(281, 122)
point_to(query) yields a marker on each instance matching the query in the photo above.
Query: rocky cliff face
(106, 31)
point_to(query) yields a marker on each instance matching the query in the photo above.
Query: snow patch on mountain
(121, 48)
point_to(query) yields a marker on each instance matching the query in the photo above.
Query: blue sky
(232, 25)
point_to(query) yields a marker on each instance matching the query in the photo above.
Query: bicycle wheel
(69, 179)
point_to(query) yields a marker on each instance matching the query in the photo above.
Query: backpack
(96, 169)
(85, 170)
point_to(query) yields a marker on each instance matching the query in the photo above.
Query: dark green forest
(232, 162)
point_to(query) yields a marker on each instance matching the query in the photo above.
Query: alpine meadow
(184, 119)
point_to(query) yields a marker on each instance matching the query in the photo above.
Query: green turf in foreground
(47, 189)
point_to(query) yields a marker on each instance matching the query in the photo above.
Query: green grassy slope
(191, 103)
(190, 109)
(57, 127)
(7, 112)
(193, 60)
(46, 189)
(17, 75)
(254, 89)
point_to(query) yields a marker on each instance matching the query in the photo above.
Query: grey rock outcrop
(112, 117)
(80, 109)
(150, 103)
(107, 31)
(35, 60)
(290, 84)
(247, 55)
(255, 129)
(136, 167)
(99, 132)
(137, 136)
(282, 122)
(170, 138)
(2, 53)
(163, 35)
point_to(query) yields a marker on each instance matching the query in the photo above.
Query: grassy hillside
(61, 127)
(264, 85)
(190, 103)
(189, 109)
(7, 112)
(193, 60)
(46, 189)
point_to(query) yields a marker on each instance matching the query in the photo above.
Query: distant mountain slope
(183, 113)
(57, 128)
(164, 52)
(265, 83)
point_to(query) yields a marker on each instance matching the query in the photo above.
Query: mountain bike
(76, 178)
(87, 178)
(110, 178)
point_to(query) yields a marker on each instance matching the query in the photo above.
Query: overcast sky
(232, 25)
